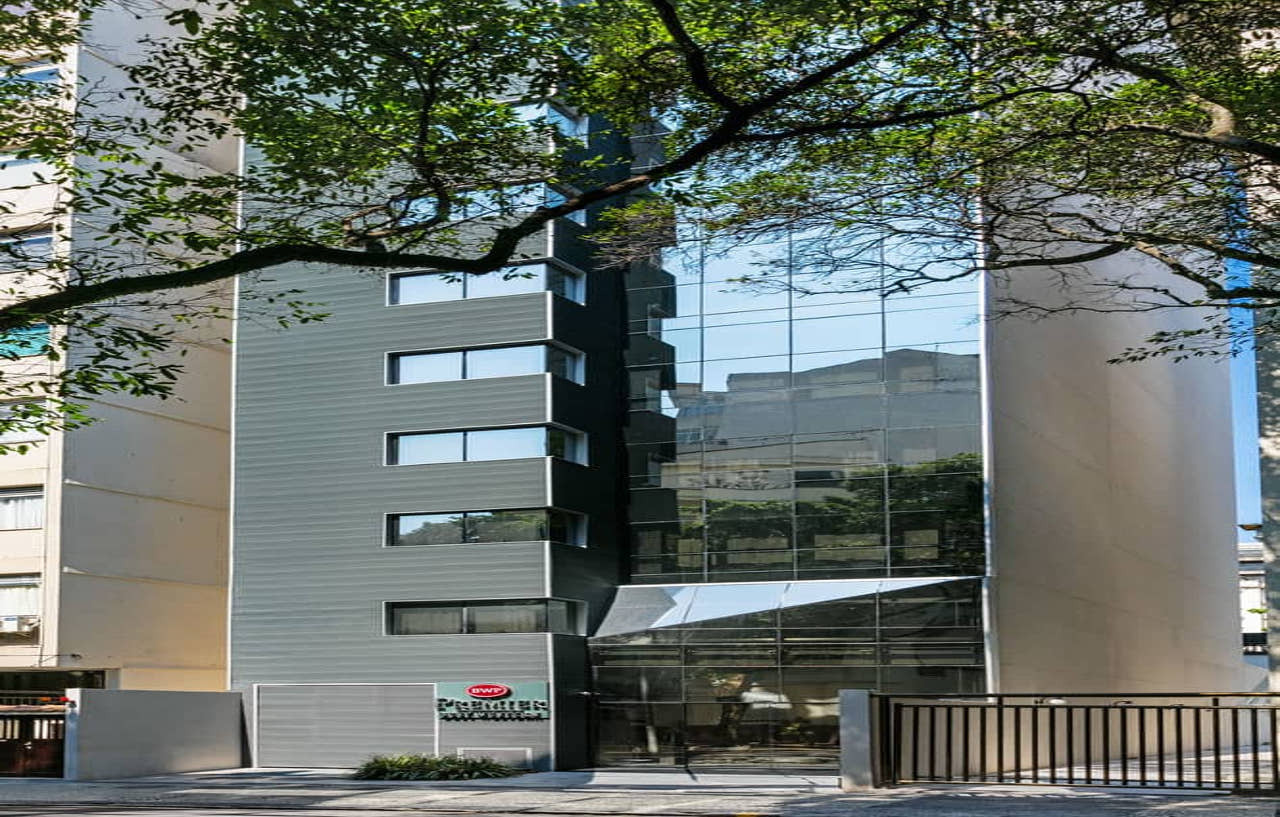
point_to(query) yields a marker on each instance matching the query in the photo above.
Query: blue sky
(1244, 411)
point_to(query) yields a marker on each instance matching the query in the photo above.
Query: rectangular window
(434, 287)
(21, 508)
(20, 595)
(498, 616)
(509, 361)
(26, 251)
(486, 444)
(478, 527)
(23, 433)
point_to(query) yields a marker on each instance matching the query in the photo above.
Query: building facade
(565, 515)
(113, 561)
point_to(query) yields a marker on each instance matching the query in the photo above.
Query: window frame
(582, 443)
(580, 527)
(578, 610)
(391, 362)
(29, 492)
(578, 293)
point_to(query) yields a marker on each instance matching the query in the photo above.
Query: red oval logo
(488, 690)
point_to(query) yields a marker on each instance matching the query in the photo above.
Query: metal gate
(31, 744)
(341, 725)
(1183, 741)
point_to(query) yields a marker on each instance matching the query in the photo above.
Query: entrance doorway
(768, 732)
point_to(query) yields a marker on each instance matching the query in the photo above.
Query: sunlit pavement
(330, 793)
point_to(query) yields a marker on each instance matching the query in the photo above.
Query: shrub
(431, 767)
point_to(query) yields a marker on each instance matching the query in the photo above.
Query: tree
(1146, 132)
(397, 134)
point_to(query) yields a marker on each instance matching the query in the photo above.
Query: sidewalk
(626, 792)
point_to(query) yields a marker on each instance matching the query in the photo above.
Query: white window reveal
(473, 364)
(438, 286)
(21, 508)
(486, 444)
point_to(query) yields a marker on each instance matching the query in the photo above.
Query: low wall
(129, 733)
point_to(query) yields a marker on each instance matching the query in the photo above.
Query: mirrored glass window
(485, 444)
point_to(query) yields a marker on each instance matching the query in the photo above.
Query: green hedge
(432, 767)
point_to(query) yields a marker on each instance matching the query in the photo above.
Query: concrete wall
(130, 733)
(1112, 491)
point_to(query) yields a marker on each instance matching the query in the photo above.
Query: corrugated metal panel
(342, 725)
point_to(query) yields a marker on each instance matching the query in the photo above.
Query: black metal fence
(1188, 741)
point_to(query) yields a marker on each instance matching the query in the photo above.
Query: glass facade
(761, 685)
(805, 468)
(777, 436)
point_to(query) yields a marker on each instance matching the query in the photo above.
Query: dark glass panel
(744, 509)
(507, 617)
(726, 683)
(837, 452)
(954, 448)
(721, 574)
(827, 634)
(752, 560)
(638, 683)
(823, 683)
(853, 558)
(635, 656)
(666, 539)
(840, 497)
(742, 452)
(859, 612)
(653, 733)
(748, 532)
(425, 620)
(934, 655)
(711, 656)
(761, 635)
(660, 504)
(856, 525)
(507, 526)
(426, 529)
(834, 653)
(960, 495)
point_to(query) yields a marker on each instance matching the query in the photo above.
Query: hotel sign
(491, 701)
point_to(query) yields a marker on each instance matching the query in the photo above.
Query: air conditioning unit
(19, 624)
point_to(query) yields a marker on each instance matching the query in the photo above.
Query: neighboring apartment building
(113, 537)
(580, 516)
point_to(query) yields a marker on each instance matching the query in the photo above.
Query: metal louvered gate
(1170, 741)
(31, 744)
(341, 725)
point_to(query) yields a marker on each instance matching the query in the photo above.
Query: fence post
(860, 738)
(71, 735)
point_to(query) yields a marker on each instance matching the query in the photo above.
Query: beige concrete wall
(134, 549)
(129, 733)
(1112, 491)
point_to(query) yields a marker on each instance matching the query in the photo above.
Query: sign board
(493, 701)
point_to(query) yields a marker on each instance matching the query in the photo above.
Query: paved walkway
(654, 793)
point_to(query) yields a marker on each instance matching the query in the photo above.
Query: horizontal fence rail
(1201, 741)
